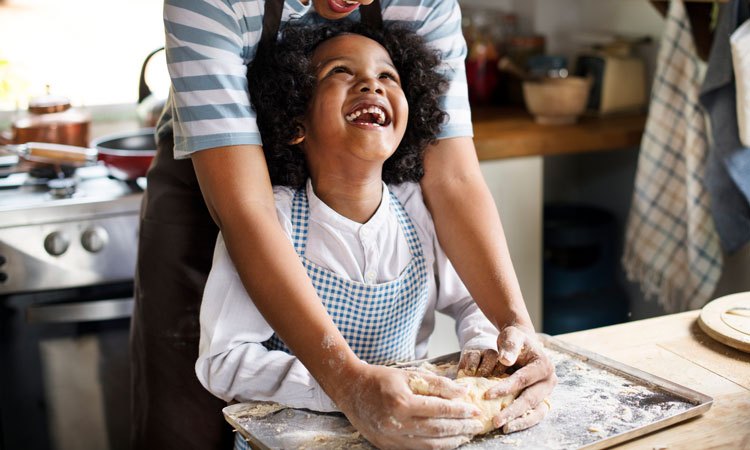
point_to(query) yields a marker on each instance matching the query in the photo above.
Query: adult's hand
(534, 376)
(380, 404)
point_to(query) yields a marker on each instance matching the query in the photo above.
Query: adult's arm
(377, 400)
(470, 232)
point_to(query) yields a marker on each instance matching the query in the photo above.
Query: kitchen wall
(90, 51)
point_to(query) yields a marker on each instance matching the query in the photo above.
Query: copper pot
(50, 119)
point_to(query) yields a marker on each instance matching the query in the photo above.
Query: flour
(259, 410)
(328, 341)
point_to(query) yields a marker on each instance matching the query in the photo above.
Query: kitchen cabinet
(511, 149)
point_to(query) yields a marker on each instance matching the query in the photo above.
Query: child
(346, 113)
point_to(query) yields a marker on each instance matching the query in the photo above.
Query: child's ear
(299, 134)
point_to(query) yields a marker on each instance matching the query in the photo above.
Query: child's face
(358, 111)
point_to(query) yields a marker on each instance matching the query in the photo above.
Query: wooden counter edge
(509, 133)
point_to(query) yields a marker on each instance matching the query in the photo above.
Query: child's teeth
(371, 110)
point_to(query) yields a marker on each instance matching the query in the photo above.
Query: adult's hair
(281, 82)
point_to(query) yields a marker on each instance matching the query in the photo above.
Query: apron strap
(271, 23)
(371, 15)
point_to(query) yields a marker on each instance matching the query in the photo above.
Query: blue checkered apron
(379, 321)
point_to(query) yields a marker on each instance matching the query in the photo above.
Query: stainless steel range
(67, 260)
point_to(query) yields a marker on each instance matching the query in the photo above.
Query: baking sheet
(597, 403)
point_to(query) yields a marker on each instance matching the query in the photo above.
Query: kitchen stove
(68, 248)
(66, 232)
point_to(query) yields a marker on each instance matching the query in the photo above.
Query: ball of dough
(488, 408)
(477, 387)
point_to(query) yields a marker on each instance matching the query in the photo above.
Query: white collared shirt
(233, 364)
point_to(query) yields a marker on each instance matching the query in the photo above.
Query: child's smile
(365, 114)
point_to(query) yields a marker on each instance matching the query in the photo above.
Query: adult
(210, 171)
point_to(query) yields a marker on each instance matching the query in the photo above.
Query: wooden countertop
(512, 132)
(675, 348)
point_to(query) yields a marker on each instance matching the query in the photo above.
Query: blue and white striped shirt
(210, 42)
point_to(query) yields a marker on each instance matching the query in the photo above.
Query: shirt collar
(322, 213)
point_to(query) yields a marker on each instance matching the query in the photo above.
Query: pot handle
(54, 153)
(143, 89)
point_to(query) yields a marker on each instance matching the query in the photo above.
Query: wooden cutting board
(727, 319)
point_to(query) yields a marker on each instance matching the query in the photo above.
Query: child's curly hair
(281, 82)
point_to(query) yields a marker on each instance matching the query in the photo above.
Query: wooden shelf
(512, 132)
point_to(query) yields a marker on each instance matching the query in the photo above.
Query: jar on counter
(519, 49)
(482, 57)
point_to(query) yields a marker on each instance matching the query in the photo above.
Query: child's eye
(388, 75)
(339, 69)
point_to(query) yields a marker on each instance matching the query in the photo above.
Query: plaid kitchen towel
(671, 245)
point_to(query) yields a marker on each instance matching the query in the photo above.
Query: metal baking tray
(597, 403)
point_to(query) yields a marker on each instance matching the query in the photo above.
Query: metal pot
(127, 155)
(50, 119)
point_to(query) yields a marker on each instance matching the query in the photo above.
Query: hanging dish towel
(671, 246)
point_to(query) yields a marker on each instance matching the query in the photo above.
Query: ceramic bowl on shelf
(556, 101)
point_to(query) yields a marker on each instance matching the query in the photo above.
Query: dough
(477, 387)
(489, 408)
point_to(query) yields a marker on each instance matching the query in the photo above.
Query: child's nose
(371, 85)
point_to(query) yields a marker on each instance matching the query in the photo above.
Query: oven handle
(118, 308)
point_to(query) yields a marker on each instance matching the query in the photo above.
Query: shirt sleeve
(208, 44)
(473, 328)
(232, 363)
(439, 23)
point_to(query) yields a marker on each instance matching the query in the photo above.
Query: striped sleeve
(439, 22)
(208, 44)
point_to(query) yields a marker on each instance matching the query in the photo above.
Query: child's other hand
(534, 376)
(480, 363)
(381, 405)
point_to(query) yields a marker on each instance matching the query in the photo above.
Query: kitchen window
(90, 51)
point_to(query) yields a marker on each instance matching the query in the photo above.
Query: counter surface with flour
(597, 403)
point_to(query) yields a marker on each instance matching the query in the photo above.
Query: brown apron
(171, 409)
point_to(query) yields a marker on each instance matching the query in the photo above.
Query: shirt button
(365, 231)
(370, 275)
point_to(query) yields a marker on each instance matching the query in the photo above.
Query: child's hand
(380, 404)
(534, 376)
(480, 363)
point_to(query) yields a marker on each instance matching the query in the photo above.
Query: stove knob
(56, 243)
(94, 239)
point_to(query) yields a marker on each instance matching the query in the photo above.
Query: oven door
(65, 382)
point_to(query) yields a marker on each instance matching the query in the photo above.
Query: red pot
(128, 155)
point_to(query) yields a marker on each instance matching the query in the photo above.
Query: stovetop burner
(62, 187)
(40, 188)
(51, 172)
